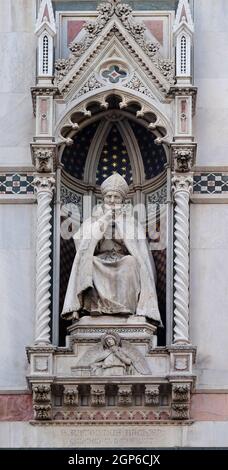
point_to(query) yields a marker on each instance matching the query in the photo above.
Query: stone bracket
(44, 157)
(183, 157)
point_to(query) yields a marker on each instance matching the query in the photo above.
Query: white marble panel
(26, 435)
(18, 62)
(16, 129)
(210, 74)
(209, 293)
(205, 434)
(199, 434)
(17, 15)
(209, 226)
(17, 281)
(210, 15)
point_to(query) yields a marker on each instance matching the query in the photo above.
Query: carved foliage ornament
(42, 401)
(182, 183)
(44, 183)
(181, 400)
(93, 28)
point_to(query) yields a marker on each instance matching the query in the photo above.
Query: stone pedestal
(111, 371)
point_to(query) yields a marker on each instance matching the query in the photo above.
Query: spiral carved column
(182, 186)
(44, 189)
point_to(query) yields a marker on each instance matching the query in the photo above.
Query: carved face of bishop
(113, 200)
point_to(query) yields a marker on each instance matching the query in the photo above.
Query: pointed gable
(183, 17)
(46, 18)
(115, 20)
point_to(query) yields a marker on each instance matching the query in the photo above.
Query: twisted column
(44, 189)
(182, 186)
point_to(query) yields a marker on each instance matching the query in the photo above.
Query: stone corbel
(44, 158)
(97, 395)
(152, 395)
(183, 157)
(181, 400)
(125, 395)
(70, 395)
(42, 401)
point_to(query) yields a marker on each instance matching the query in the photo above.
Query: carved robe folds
(112, 273)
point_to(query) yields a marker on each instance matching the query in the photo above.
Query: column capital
(44, 157)
(44, 183)
(182, 183)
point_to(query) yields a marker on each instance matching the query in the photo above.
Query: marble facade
(24, 325)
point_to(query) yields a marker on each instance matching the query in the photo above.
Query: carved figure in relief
(113, 271)
(112, 357)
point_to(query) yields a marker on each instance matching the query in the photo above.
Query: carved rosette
(41, 395)
(44, 159)
(182, 186)
(44, 189)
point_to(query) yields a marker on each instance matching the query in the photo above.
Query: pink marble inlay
(73, 29)
(43, 116)
(156, 28)
(183, 13)
(46, 14)
(183, 116)
(209, 406)
(16, 407)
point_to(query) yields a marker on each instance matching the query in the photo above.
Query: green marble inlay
(90, 5)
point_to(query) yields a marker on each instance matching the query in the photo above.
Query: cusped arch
(77, 115)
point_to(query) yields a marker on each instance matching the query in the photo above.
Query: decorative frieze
(113, 416)
(210, 183)
(203, 183)
(16, 183)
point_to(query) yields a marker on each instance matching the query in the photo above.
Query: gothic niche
(119, 143)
